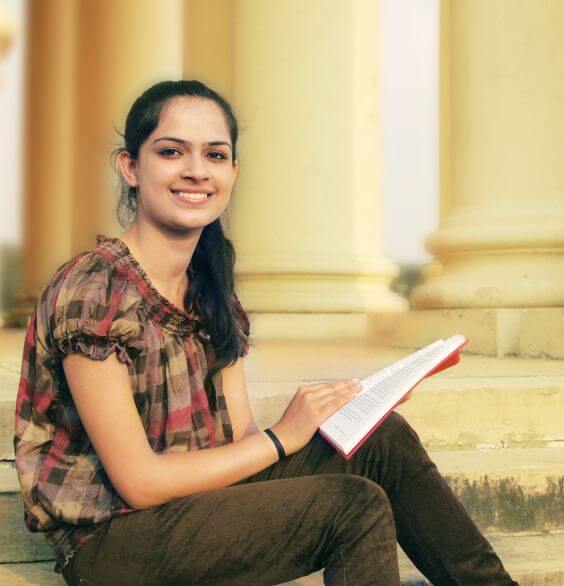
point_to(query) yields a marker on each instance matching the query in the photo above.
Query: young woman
(135, 444)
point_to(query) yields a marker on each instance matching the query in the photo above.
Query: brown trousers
(309, 511)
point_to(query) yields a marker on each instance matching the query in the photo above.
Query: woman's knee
(365, 510)
(345, 502)
(355, 492)
(371, 498)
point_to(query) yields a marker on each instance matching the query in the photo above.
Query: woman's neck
(164, 258)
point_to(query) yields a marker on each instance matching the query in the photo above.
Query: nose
(195, 169)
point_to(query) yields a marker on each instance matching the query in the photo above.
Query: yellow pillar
(205, 20)
(87, 61)
(123, 47)
(7, 34)
(501, 236)
(305, 213)
(48, 129)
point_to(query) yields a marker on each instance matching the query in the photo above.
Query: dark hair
(211, 283)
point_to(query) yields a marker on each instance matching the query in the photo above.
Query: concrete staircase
(494, 426)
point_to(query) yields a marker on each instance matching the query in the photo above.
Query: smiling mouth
(191, 196)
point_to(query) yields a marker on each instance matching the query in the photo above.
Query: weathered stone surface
(458, 414)
(532, 560)
(529, 332)
(542, 332)
(17, 544)
(38, 573)
(482, 402)
(503, 504)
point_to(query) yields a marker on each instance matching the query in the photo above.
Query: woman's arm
(237, 399)
(103, 397)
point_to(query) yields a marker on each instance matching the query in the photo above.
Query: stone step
(17, 544)
(509, 490)
(472, 415)
(529, 467)
(448, 413)
(36, 573)
(462, 414)
(482, 402)
(532, 332)
(512, 489)
(532, 560)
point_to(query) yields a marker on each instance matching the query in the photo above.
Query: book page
(382, 390)
(378, 376)
(379, 394)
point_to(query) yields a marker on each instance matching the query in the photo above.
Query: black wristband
(272, 436)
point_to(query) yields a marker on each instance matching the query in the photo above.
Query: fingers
(316, 386)
(334, 403)
(324, 390)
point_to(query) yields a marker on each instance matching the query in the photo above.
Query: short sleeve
(244, 327)
(94, 313)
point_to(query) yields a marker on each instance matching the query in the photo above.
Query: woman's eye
(221, 155)
(166, 152)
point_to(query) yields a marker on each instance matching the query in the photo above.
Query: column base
(493, 279)
(524, 332)
(318, 294)
(309, 326)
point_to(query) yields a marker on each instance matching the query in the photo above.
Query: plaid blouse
(99, 302)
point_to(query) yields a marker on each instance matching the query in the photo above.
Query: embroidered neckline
(161, 310)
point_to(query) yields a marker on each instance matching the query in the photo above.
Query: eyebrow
(182, 141)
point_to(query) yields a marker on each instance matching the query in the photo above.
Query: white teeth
(191, 195)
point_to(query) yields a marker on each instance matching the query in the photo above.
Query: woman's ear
(128, 168)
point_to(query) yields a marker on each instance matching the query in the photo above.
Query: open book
(348, 428)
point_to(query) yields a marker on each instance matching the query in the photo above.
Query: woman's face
(186, 155)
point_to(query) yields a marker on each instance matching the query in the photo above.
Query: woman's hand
(309, 408)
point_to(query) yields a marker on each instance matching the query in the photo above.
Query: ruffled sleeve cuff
(95, 313)
(98, 347)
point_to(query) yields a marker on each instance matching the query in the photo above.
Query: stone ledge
(532, 560)
(509, 490)
(458, 414)
(536, 332)
(482, 402)
(530, 467)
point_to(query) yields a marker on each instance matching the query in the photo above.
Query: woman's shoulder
(87, 277)
(88, 301)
